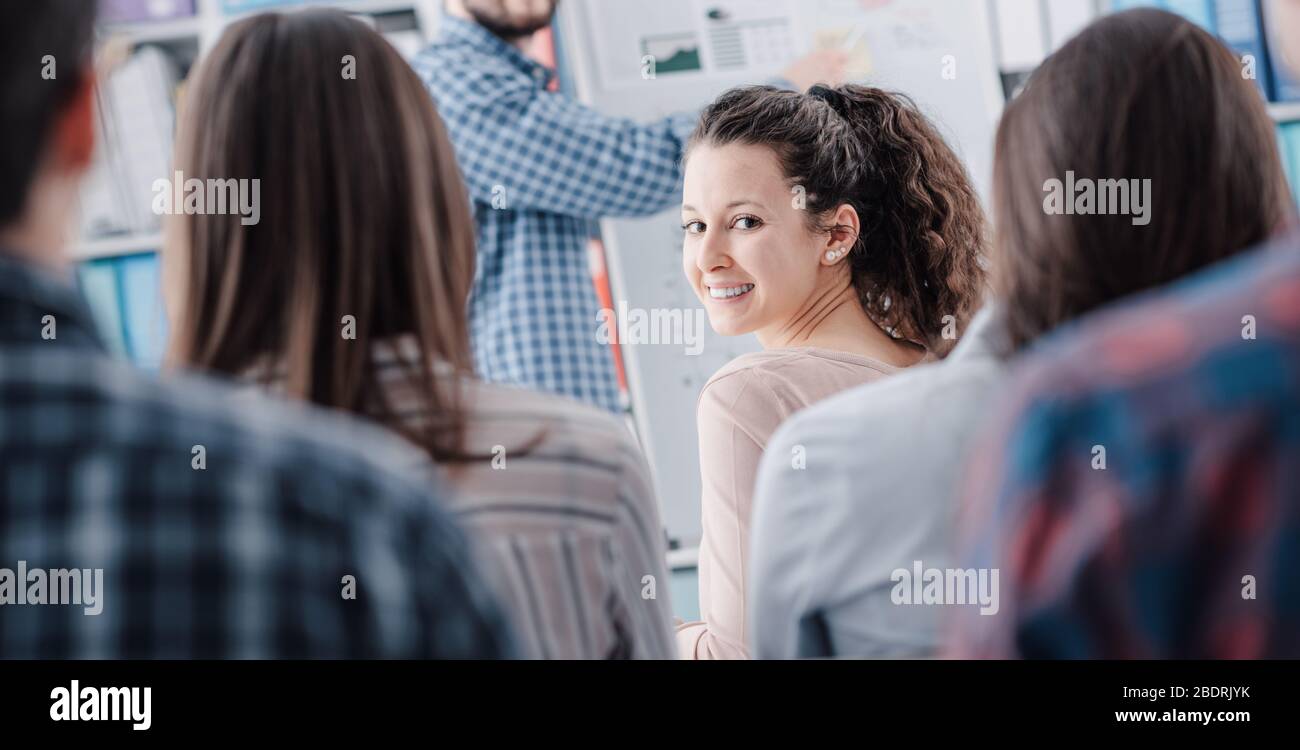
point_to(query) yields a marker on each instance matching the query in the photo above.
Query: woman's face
(748, 251)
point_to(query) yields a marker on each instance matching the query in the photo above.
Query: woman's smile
(729, 293)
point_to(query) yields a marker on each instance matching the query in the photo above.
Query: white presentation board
(939, 52)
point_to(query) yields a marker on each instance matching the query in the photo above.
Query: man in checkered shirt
(221, 529)
(542, 169)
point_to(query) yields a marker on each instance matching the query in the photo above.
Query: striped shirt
(562, 516)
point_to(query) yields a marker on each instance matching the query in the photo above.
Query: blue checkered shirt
(552, 166)
(241, 554)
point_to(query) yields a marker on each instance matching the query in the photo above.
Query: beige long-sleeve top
(561, 514)
(739, 409)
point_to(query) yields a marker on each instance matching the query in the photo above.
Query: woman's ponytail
(917, 260)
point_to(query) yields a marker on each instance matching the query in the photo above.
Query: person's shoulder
(868, 428)
(121, 409)
(751, 392)
(739, 377)
(739, 364)
(1246, 308)
(459, 67)
(449, 47)
(561, 424)
(508, 402)
(900, 396)
(795, 363)
(760, 365)
(584, 457)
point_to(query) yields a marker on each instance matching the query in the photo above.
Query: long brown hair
(363, 214)
(1139, 95)
(917, 256)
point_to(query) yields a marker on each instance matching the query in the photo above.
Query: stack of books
(1288, 137)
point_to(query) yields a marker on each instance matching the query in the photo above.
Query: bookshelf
(116, 259)
(141, 32)
(186, 38)
(211, 18)
(113, 246)
(1027, 31)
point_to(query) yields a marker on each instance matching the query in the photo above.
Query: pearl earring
(831, 255)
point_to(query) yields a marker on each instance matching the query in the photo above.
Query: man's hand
(823, 66)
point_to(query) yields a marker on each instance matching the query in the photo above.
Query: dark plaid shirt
(242, 558)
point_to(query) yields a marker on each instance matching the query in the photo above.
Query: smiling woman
(839, 215)
(839, 228)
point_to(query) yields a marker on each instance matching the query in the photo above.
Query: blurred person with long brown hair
(350, 292)
(176, 519)
(1136, 484)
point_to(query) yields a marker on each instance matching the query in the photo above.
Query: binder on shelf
(1239, 23)
(102, 210)
(1286, 82)
(99, 285)
(1199, 12)
(136, 120)
(231, 7)
(1117, 6)
(142, 309)
(1291, 134)
(1284, 153)
(1240, 26)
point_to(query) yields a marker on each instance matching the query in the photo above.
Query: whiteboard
(939, 52)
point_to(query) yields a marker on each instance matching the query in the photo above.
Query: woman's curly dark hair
(918, 257)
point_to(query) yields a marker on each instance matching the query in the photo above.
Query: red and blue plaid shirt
(1140, 495)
